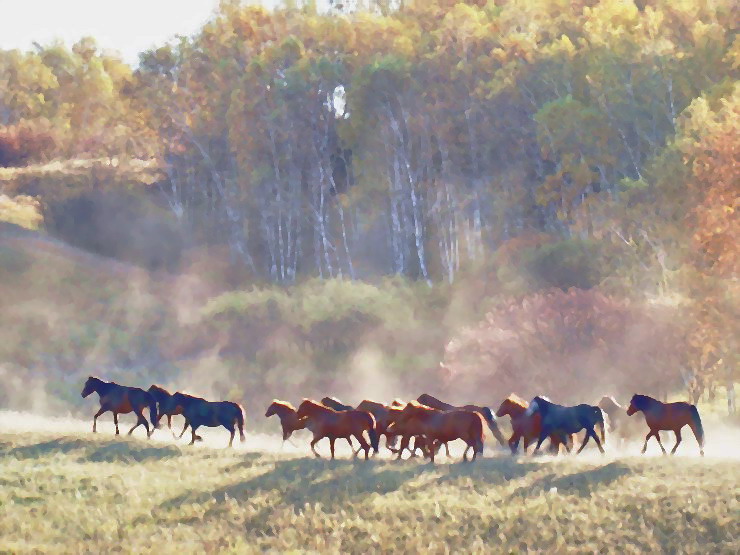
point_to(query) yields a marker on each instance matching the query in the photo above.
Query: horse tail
(373, 433)
(487, 414)
(601, 419)
(153, 415)
(240, 420)
(478, 432)
(697, 427)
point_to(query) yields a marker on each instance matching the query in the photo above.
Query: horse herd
(424, 425)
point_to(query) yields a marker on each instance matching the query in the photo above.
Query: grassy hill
(76, 492)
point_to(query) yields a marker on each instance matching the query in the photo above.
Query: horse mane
(285, 404)
(514, 398)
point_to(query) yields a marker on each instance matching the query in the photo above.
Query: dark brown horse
(165, 405)
(336, 404)
(121, 399)
(667, 416)
(524, 426)
(562, 421)
(199, 412)
(288, 416)
(325, 422)
(485, 412)
(442, 426)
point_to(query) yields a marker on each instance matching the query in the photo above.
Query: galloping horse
(384, 415)
(562, 421)
(524, 425)
(288, 416)
(485, 412)
(199, 412)
(336, 404)
(323, 422)
(668, 416)
(121, 399)
(166, 406)
(442, 426)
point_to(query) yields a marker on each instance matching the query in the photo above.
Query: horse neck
(282, 411)
(515, 410)
(102, 387)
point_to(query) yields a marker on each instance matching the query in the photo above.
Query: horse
(563, 421)
(668, 416)
(442, 426)
(121, 399)
(524, 426)
(288, 416)
(336, 404)
(485, 412)
(384, 416)
(323, 422)
(619, 422)
(199, 412)
(165, 405)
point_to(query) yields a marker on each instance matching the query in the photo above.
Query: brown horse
(667, 416)
(199, 412)
(524, 425)
(165, 405)
(336, 404)
(325, 422)
(442, 426)
(485, 412)
(288, 416)
(121, 399)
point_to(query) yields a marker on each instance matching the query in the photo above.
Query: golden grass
(78, 492)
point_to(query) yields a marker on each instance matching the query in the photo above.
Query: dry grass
(73, 492)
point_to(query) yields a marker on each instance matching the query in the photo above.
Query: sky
(127, 26)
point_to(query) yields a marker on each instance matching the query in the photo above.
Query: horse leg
(231, 439)
(465, 453)
(363, 444)
(115, 420)
(95, 418)
(647, 437)
(678, 440)
(185, 427)
(192, 431)
(598, 442)
(514, 443)
(585, 441)
(657, 436)
(313, 446)
(331, 446)
(169, 425)
(447, 450)
(540, 440)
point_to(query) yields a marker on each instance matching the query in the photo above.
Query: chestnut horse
(384, 416)
(121, 399)
(336, 404)
(485, 412)
(442, 426)
(668, 416)
(288, 416)
(562, 421)
(199, 412)
(165, 405)
(323, 422)
(524, 426)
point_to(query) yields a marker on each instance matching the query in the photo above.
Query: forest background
(376, 199)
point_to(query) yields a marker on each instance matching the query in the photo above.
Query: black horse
(336, 404)
(199, 412)
(165, 405)
(121, 399)
(561, 421)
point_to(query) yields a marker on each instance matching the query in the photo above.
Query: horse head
(90, 386)
(513, 405)
(637, 403)
(307, 408)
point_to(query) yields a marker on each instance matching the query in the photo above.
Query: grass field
(72, 491)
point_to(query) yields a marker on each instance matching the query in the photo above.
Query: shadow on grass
(118, 450)
(578, 483)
